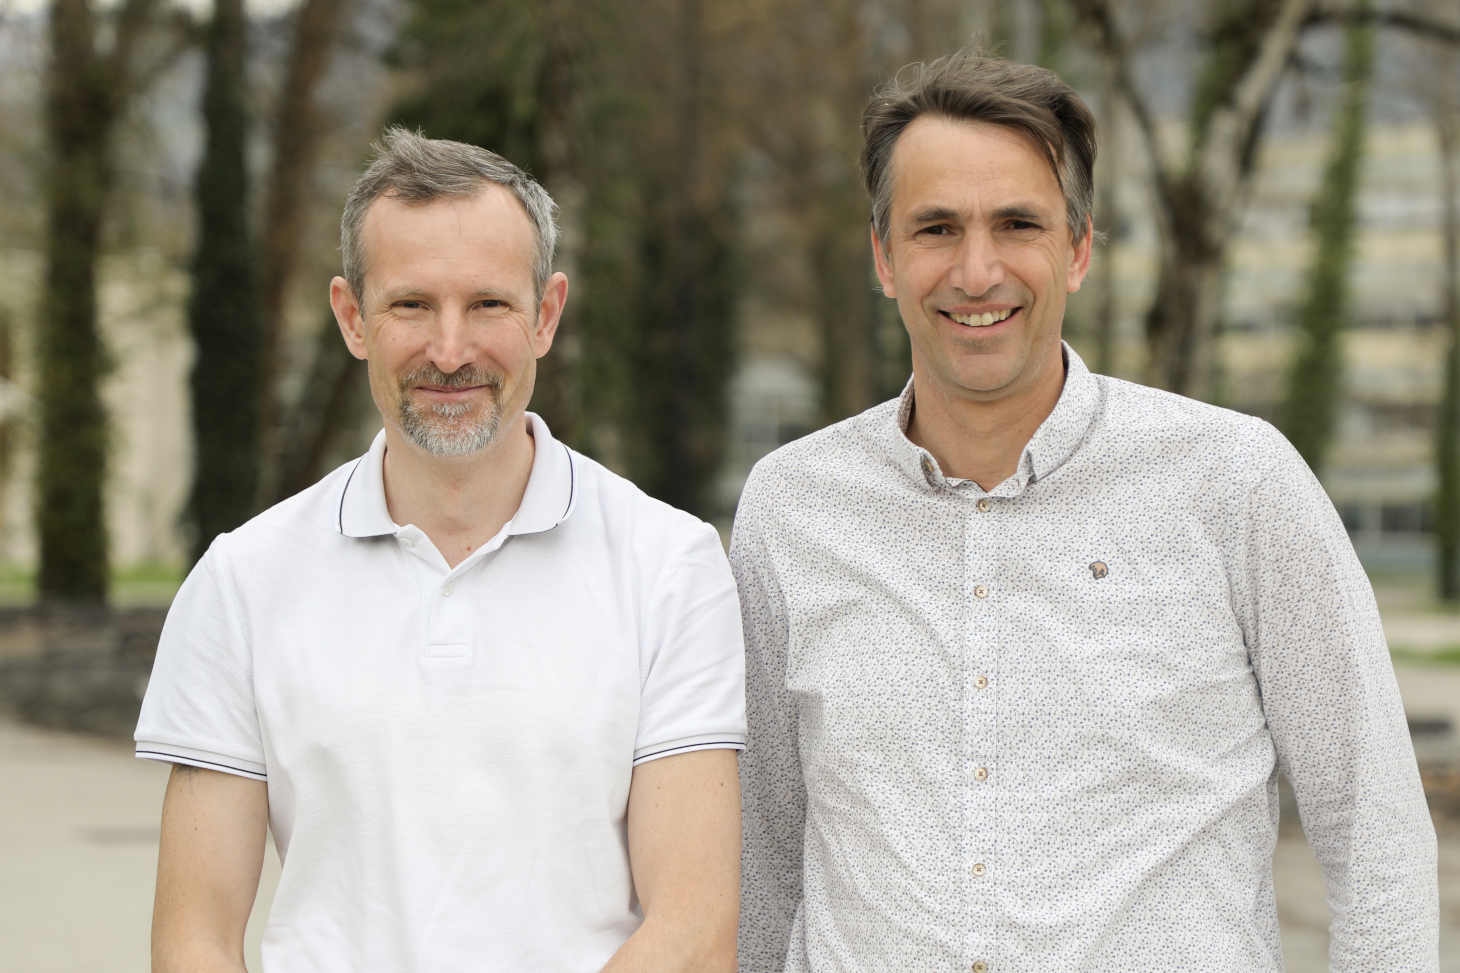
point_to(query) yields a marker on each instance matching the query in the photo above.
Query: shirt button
(446, 590)
(984, 506)
(407, 542)
(927, 465)
(981, 682)
(981, 773)
(979, 870)
(980, 967)
(979, 591)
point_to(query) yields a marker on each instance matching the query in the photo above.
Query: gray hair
(414, 169)
(973, 86)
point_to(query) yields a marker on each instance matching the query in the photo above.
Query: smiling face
(449, 321)
(980, 258)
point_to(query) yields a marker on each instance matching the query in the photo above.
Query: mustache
(467, 376)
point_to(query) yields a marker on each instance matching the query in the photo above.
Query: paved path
(78, 854)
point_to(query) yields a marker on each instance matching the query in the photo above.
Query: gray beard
(458, 429)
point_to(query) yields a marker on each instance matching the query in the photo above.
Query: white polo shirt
(448, 751)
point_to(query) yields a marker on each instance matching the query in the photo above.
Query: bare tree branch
(1116, 50)
(1393, 19)
(1231, 127)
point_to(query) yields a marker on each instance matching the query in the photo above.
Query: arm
(213, 827)
(773, 789)
(684, 848)
(1338, 724)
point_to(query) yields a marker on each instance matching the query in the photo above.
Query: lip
(1016, 315)
(435, 391)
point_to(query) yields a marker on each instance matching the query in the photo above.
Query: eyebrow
(1018, 211)
(935, 214)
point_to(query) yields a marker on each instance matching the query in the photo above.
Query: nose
(450, 346)
(978, 265)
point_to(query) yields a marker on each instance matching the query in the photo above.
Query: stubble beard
(451, 428)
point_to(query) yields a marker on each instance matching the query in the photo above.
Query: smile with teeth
(981, 320)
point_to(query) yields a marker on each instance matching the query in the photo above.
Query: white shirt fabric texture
(448, 751)
(1038, 728)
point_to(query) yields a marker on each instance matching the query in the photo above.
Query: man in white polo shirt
(486, 693)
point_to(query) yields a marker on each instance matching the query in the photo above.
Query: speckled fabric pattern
(1037, 729)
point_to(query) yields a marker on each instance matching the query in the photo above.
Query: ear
(348, 317)
(549, 313)
(1080, 261)
(884, 266)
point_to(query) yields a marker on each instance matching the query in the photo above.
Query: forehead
(958, 164)
(487, 235)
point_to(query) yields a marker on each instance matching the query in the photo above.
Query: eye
(937, 229)
(1023, 225)
(411, 305)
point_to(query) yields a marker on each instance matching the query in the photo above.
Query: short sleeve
(199, 706)
(692, 656)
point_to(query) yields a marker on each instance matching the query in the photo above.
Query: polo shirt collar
(1052, 444)
(548, 501)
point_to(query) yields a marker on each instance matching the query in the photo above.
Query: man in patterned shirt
(1027, 646)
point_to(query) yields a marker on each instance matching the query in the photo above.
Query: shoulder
(1162, 430)
(305, 521)
(852, 448)
(613, 506)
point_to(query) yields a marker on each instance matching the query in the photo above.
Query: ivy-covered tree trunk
(1315, 386)
(223, 312)
(84, 94)
(686, 352)
(1447, 447)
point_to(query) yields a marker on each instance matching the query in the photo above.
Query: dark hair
(977, 87)
(412, 168)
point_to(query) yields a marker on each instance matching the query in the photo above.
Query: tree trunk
(223, 312)
(1250, 45)
(1315, 385)
(337, 381)
(84, 93)
(296, 135)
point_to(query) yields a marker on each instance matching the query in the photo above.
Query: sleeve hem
(169, 754)
(705, 741)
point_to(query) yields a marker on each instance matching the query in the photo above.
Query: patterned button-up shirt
(1038, 728)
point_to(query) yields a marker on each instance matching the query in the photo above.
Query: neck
(980, 439)
(460, 502)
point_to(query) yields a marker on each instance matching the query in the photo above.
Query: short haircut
(414, 169)
(972, 86)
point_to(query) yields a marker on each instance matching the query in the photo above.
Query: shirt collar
(1053, 442)
(548, 501)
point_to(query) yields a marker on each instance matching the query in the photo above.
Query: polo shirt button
(984, 506)
(979, 591)
(980, 967)
(981, 682)
(979, 870)
(407, 542)
(446, 590)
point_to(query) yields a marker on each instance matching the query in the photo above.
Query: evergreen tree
(1315, 387)
(223, 311)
